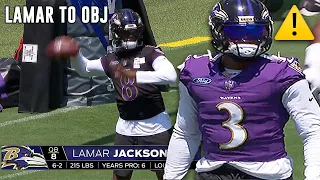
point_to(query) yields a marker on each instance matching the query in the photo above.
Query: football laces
(57, 45)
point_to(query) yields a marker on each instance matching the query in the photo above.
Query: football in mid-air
(62, 46)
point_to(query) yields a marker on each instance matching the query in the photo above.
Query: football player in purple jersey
(138, 71)
(312, 62)
(238, 101)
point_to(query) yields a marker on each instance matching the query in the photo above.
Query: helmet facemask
(247, 41)
(127, 38)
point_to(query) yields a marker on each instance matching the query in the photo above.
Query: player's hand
(121, 71)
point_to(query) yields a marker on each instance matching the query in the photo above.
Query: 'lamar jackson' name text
(120, 153)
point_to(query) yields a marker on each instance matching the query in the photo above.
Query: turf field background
(171, 21)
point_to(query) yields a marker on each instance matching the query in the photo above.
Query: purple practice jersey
(241, 118)
(135, 101)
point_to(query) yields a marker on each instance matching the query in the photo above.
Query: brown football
(62, 46)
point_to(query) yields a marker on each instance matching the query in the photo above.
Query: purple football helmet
(242, 28)
(126, 29)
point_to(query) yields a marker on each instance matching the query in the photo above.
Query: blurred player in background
(137, 71)
(312, 63)
(307, 7)
(310, 7)
(238, 102)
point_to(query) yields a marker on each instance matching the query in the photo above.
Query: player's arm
(305, 113)
(186, 137)
(312, 68)
(164, 72)
(312, 63)
(86, 67)
(65, 46)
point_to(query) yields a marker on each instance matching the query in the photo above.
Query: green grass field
(170, 21)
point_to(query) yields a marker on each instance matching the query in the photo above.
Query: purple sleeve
(194, 66)
(289, 74)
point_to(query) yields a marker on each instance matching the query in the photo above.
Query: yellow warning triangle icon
(294, 27)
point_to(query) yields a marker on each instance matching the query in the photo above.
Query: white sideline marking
(39, 116)
(48, 114)
(9, 176)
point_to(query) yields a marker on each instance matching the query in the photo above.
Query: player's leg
(157, 139)
(123, 140)
(312, 63)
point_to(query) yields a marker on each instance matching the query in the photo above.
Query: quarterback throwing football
(138, 72)
(238, 100)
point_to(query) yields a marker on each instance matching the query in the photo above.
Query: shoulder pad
(278, 57)
(292, 62)
(108, 56)
(151, 49)
(196, 57)
(273, 57)
(189, 57)
(149, 46)
(158, 50)
(295, 64)
(209, 55)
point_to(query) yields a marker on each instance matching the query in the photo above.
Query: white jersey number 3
(236, 115)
